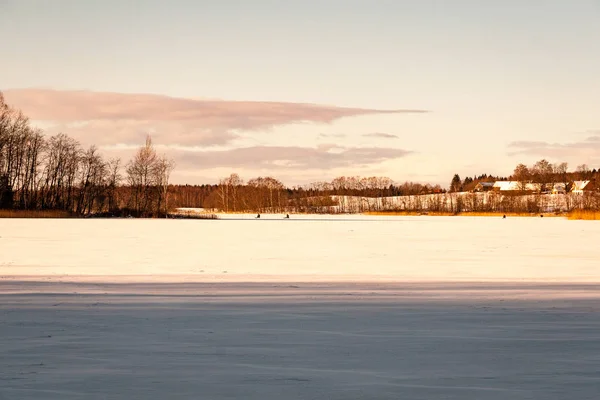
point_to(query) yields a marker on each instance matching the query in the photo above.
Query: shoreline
(257, 279)
(464, 214)
(300, 289)
(49, 214)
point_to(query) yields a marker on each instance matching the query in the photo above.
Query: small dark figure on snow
(287, 216)
(504, 216)
(258, 216)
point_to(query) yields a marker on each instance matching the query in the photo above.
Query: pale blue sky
(491, 73)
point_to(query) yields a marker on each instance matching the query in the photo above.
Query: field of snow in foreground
(303, 248)
(151, 341)
(327, 308)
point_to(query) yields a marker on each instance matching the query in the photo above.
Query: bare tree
(522, 175)
(270, 189)
(561, 173)
(223, 191)
(583, 171)
(92, 174)
(113, 181)
(61, 165)
(163, 170)
(543, 173)
(141, 176)
(232, 184)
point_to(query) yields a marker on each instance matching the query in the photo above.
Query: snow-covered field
(327, 307)
(303, 248)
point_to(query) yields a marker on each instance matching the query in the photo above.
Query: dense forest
(56, 173)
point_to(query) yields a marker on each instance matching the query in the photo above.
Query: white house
(580, 186)
(516, 186)
(505, 185)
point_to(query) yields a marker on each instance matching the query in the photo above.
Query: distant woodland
(38, 172)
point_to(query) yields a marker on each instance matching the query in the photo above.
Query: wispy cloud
(380, 135)
(126, 118)
(587, 150)
(324, 157)
(332, 135)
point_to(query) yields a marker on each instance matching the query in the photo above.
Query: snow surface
(303, 341)
(303, 248)
(309, 308)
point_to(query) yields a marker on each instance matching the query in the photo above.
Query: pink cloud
(125, 118)
(289, 157)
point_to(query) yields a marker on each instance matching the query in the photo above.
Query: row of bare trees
(374, 186)
(543, 173)
(356, 194)
(268, 194)
(546, 173)
(148, 178)
(56, 173)
(258, 194)
(494, 202)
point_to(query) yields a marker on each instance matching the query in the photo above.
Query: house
(503, 186)
(560, 188)
(581, 187)
(547, 188)
(533, 187)
(483, 186)
(515, 187)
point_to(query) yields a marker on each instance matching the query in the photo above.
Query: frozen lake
(348, 248)
(306, 308)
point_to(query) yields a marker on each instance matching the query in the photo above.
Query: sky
(310, 90)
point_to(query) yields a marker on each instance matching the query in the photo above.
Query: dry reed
(34, 214)
(589, 215)
(463, 214)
